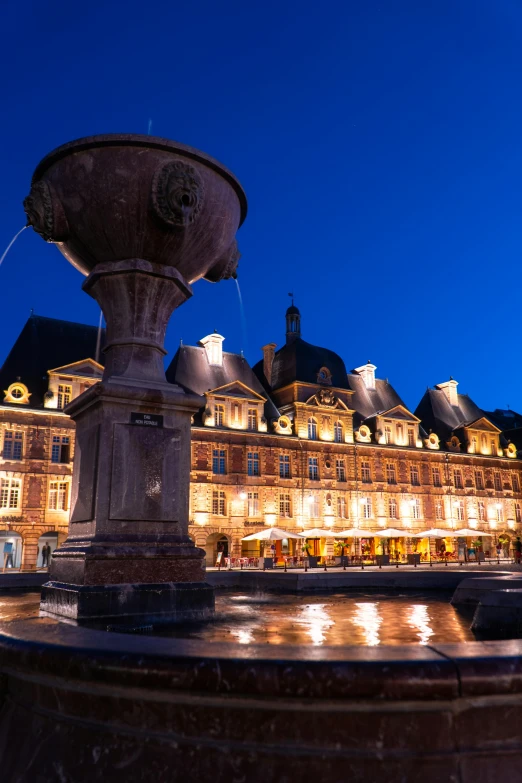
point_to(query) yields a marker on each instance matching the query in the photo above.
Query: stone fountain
(143, 218)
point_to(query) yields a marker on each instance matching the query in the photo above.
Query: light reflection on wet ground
(313, 619)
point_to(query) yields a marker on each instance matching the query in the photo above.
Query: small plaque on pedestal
(147, 420)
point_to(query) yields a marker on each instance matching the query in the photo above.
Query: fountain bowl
(108, 198)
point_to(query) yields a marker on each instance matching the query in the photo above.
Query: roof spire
(293, 322)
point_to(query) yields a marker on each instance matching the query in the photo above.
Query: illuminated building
(296, 441)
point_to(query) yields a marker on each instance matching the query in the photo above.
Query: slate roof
(42, 345)
(370, 402)
(436, 413)
(190, 369)
(301, 361)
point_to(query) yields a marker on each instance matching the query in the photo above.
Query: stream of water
(11, 243)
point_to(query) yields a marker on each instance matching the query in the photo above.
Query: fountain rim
(141, 140)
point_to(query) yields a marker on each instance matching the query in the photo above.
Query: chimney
(367, 371)
(450, 390)
(268, 360)
(213, 345)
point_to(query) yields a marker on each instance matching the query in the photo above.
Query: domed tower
(293, 323)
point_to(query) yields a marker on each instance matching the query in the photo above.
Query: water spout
(243, 319)
(11, 243)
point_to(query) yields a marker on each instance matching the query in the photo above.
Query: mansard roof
(191, 369)
(437, 414)
(372, 402)
(45, 343)
(301, 361)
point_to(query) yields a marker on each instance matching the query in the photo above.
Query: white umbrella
(316, 532)
(391, 532)
(435, 532)
(270, 534)
(355, 532)
(467, 531)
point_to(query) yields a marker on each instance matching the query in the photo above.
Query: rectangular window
(481, 510)
(285, 509)
(517, 513)
(435, 474)
(60, 449)
(494, 448)
(253, 463)
(411, 437)
(253, 504)
(387, 434)
(391, 473)
(414, 475)
(459, 511)
(366, 473)
(392, 508)
(479, 479)
(497, 481)
(457, 479)
(284, 466)
(340, 470)
(9, 493)
(341, 507)
(439, 514)
(416, 509)
(500, 514)
(338, 432)
(218, 503)
(58, 496)
(367, 508)
(252, 419)
(313, 506)
(13, 442)
(515, 483)
(313, 469)
(219, 415)
(219, 466)
(64, 396)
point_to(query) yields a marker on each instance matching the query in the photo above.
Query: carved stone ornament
(326, 397)
(45, 213)
(177, 193)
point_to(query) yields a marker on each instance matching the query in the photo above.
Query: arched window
(338, 432)
(312, 429)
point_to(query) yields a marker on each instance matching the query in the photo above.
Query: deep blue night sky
(380, 146)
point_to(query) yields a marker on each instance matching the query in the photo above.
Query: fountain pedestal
(128, 557)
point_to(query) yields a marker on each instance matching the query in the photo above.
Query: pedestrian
(499, 549)
(518, 549)
(46, 554)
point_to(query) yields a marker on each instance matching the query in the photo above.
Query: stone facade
(299, 452)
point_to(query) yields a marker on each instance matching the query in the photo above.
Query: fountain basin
(104, 199)
(80, 704)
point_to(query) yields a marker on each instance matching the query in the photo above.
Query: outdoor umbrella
(355, 532)
(391, 532)
(467, 531)
(435, 532)
(270, 534)
(316, 532)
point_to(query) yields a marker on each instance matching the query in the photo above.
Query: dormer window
(17, 392)
(338, 432)
(219, 415)
(312, 429)
(252, 419)
(324, 376)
